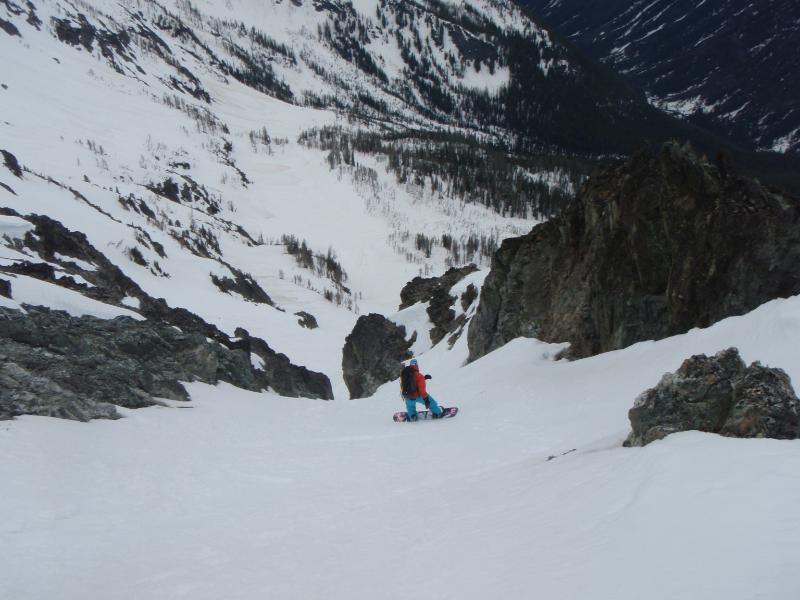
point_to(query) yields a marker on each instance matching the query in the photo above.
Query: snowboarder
(412, 387)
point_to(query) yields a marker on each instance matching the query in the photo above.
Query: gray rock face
(280, 374)
(23, 392)
(651, 248)
(54, 364)
(422, 289)
(307, 320)
(765, 405)
(719, 395)
(11, 163)
(56, 244)
(242, 284)
(372, 354)
(436, 291)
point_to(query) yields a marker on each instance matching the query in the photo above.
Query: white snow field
(251, 496)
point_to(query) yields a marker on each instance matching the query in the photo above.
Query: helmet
(413, 361)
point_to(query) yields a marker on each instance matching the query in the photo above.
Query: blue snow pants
(411, 406)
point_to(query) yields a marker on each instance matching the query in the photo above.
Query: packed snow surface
(249, 496)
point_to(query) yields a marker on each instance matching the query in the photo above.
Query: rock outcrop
(242, 284)
(53, 364)
(279, 374)
(11, 163)
(306, 320)
(650, 248)
(436, 291)
(717, 394)
(422, 289)
(373, 353)
(57, 245)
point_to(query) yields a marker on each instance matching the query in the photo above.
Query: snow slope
(100, 132)
(246, 496)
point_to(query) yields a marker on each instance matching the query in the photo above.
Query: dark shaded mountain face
(552, 98)
(732, 66)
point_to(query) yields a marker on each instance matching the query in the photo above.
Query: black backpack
(408, 381)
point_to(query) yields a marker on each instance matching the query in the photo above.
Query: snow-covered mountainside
(248, 161)
(167, 135)
(198, 200)
(480, 66)
(732, 65)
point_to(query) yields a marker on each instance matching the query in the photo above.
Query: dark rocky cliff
(373, 353)
(650, 248)
(732, 66)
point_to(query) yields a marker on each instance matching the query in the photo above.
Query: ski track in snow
(243, 495)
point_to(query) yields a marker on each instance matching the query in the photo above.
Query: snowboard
(426, 415)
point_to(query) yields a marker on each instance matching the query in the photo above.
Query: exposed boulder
(650, 248)
(717, 394)
(306, 320)
(372, 354)
(436, 291)
(699, 395)
(5, 288)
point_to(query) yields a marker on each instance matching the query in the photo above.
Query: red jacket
(421, 391)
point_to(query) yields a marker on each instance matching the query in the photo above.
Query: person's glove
(428, 377)
(427, 401)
